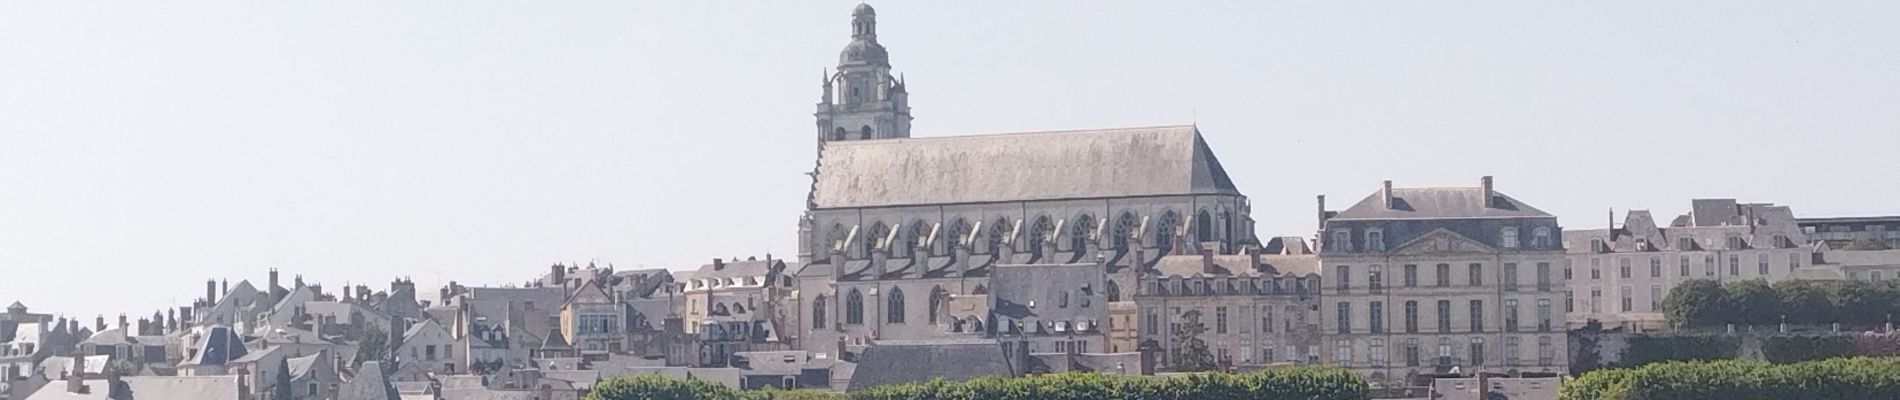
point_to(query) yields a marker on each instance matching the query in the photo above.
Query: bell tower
(861, 100)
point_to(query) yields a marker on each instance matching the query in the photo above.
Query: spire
(864, 22)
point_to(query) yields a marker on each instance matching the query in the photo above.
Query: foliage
(1291, 383)
(1838, 378)
(1295, 383)
(1877, 344)
(1705, 303)
(1588, 354)
(282, 388)
(1788, 349)
(371, 344)
(1191, 352)
(1645, 349)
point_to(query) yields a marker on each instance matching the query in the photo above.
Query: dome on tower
(864, 52)
(864, 9)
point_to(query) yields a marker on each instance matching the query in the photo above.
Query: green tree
(372, 343)
(1696, 303)
(1806, 302)
(282, 390)
(1190, 352)
(1753, 302)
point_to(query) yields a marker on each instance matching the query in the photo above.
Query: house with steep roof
(591, 321)
(1619, 275)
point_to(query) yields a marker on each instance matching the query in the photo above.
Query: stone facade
(1253, 309)
(1419, 281)
(1620, 276)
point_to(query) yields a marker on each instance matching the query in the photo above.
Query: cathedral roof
(1436, 203)
(1084, 164)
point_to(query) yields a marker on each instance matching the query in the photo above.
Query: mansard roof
(1104, 163)
(1439, 203)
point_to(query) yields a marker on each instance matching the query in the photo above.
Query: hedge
(1291, 383)
(1644, 349)
(1704, 303)
(1782, 350)
(1838, 378)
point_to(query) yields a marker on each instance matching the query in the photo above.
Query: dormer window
(1540, 238)
(1596, 245)
(1375, 240)
(1735, 242)
(1342, 241)
(1509, 237)
(1685, 244)
(1642, 244)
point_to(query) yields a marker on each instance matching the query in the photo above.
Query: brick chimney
(76, 380)
(1207, 261)
(99, 324)
(123, 325)
(1322, 212)
(211, 292)
(719, 264)
(1485, 184)
(1385, 194)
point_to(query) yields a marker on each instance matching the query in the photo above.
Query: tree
(372, 343)
(1805, 302)
(282, 390)
(1190, 352)
(1696, 303)
(1752, 302)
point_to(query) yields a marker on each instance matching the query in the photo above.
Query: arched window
(908, 240)
(994, 240)
(818, 309)
(864, 133)
(854, 308)
(959, 230)
(835, 240)
(1203, 227)
(1114, 291)
(980, 289)
(1164, 232)
(878, 232)
(1083, 227)
(838, 134)
(896, 309)
(720, 309)
(937, 299)
(1039, 232)
(738, 308)
(1124, 227)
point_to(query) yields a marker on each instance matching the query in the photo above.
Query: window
(1543, 315)
(1411, 275)
(1343, 283)
(1761, 264)
(1444, 351)
(1477, 315)
(1510, 315)
(1509, 237)
(1475, 274)
(1477, 350)
(1794, 261)
(1345, 318)
(1153, 322)
(1375, 240)
(1375, 351)
(1543, 277)
(1570, 301)
(1342, 241)
(1627, 302)
(854, 308)
(1708, 265)
(1510, 350)
(896, 306)
(1342, 352)
(1734, 265)
(818, 313)
(1412, 351)
(1655, 267)
(1736, 242)
(1683, 263)
(1375, 278)
(1266, 322)
(1596, 300)
(1220, 319)
(1567, 265)
(1444, 316)
(1444, 275)
(428, 353)
(1540, 238)
(1624, 265)
(938, 296)
(1376, 317)
(1411, 317)
(1655, 297)
(1510, 277)
(1596, 268)
(1685, 244)
(1546, 354)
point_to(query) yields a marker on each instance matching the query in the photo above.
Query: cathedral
(902, 235)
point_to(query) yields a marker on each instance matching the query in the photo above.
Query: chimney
(718, 264)
(297, 281)
(145, 326)
(75, 379)
(1385, 194)
(225, 286)
(211, 292)
(1253, 254)
(99, 324)
(1322, 212)
(123, 325)
(273, 280)
(1207, 261)
(1485, 183)
(558, 271)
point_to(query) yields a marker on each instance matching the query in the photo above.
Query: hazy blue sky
(146, 146)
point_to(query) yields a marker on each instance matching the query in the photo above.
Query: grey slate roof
(1435, 203)
(369, 383)
(219, 345)
(740, 269)
(1164, 160)
(150, 387)
(895, 361)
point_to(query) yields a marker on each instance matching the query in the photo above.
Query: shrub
(1782, 350)
(1838, 378)
(1297, 383)
(1649, 349)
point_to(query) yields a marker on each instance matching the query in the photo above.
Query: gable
(1443, 241)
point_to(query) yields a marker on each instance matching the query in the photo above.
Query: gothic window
(854, 308)
(870, 240)
(937, 298)
(1203, 227)
(959, 230)
(1124, 227)
(1039, 232)
(994, 240)
(1114, 291)
(1079, 235)
(720, 309)
(738, 308)
(896, 306)
(918, 232)
(835, 239)
(864, 133)
(818, 313)
(838, 134)
(1164, 233)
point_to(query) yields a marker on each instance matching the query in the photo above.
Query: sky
(148, 146)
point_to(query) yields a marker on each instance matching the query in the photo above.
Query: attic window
(1642, 244)
(1540, 237)
(1735, 242)
(1509, 235)
(1596, 245)
(1685, 244)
